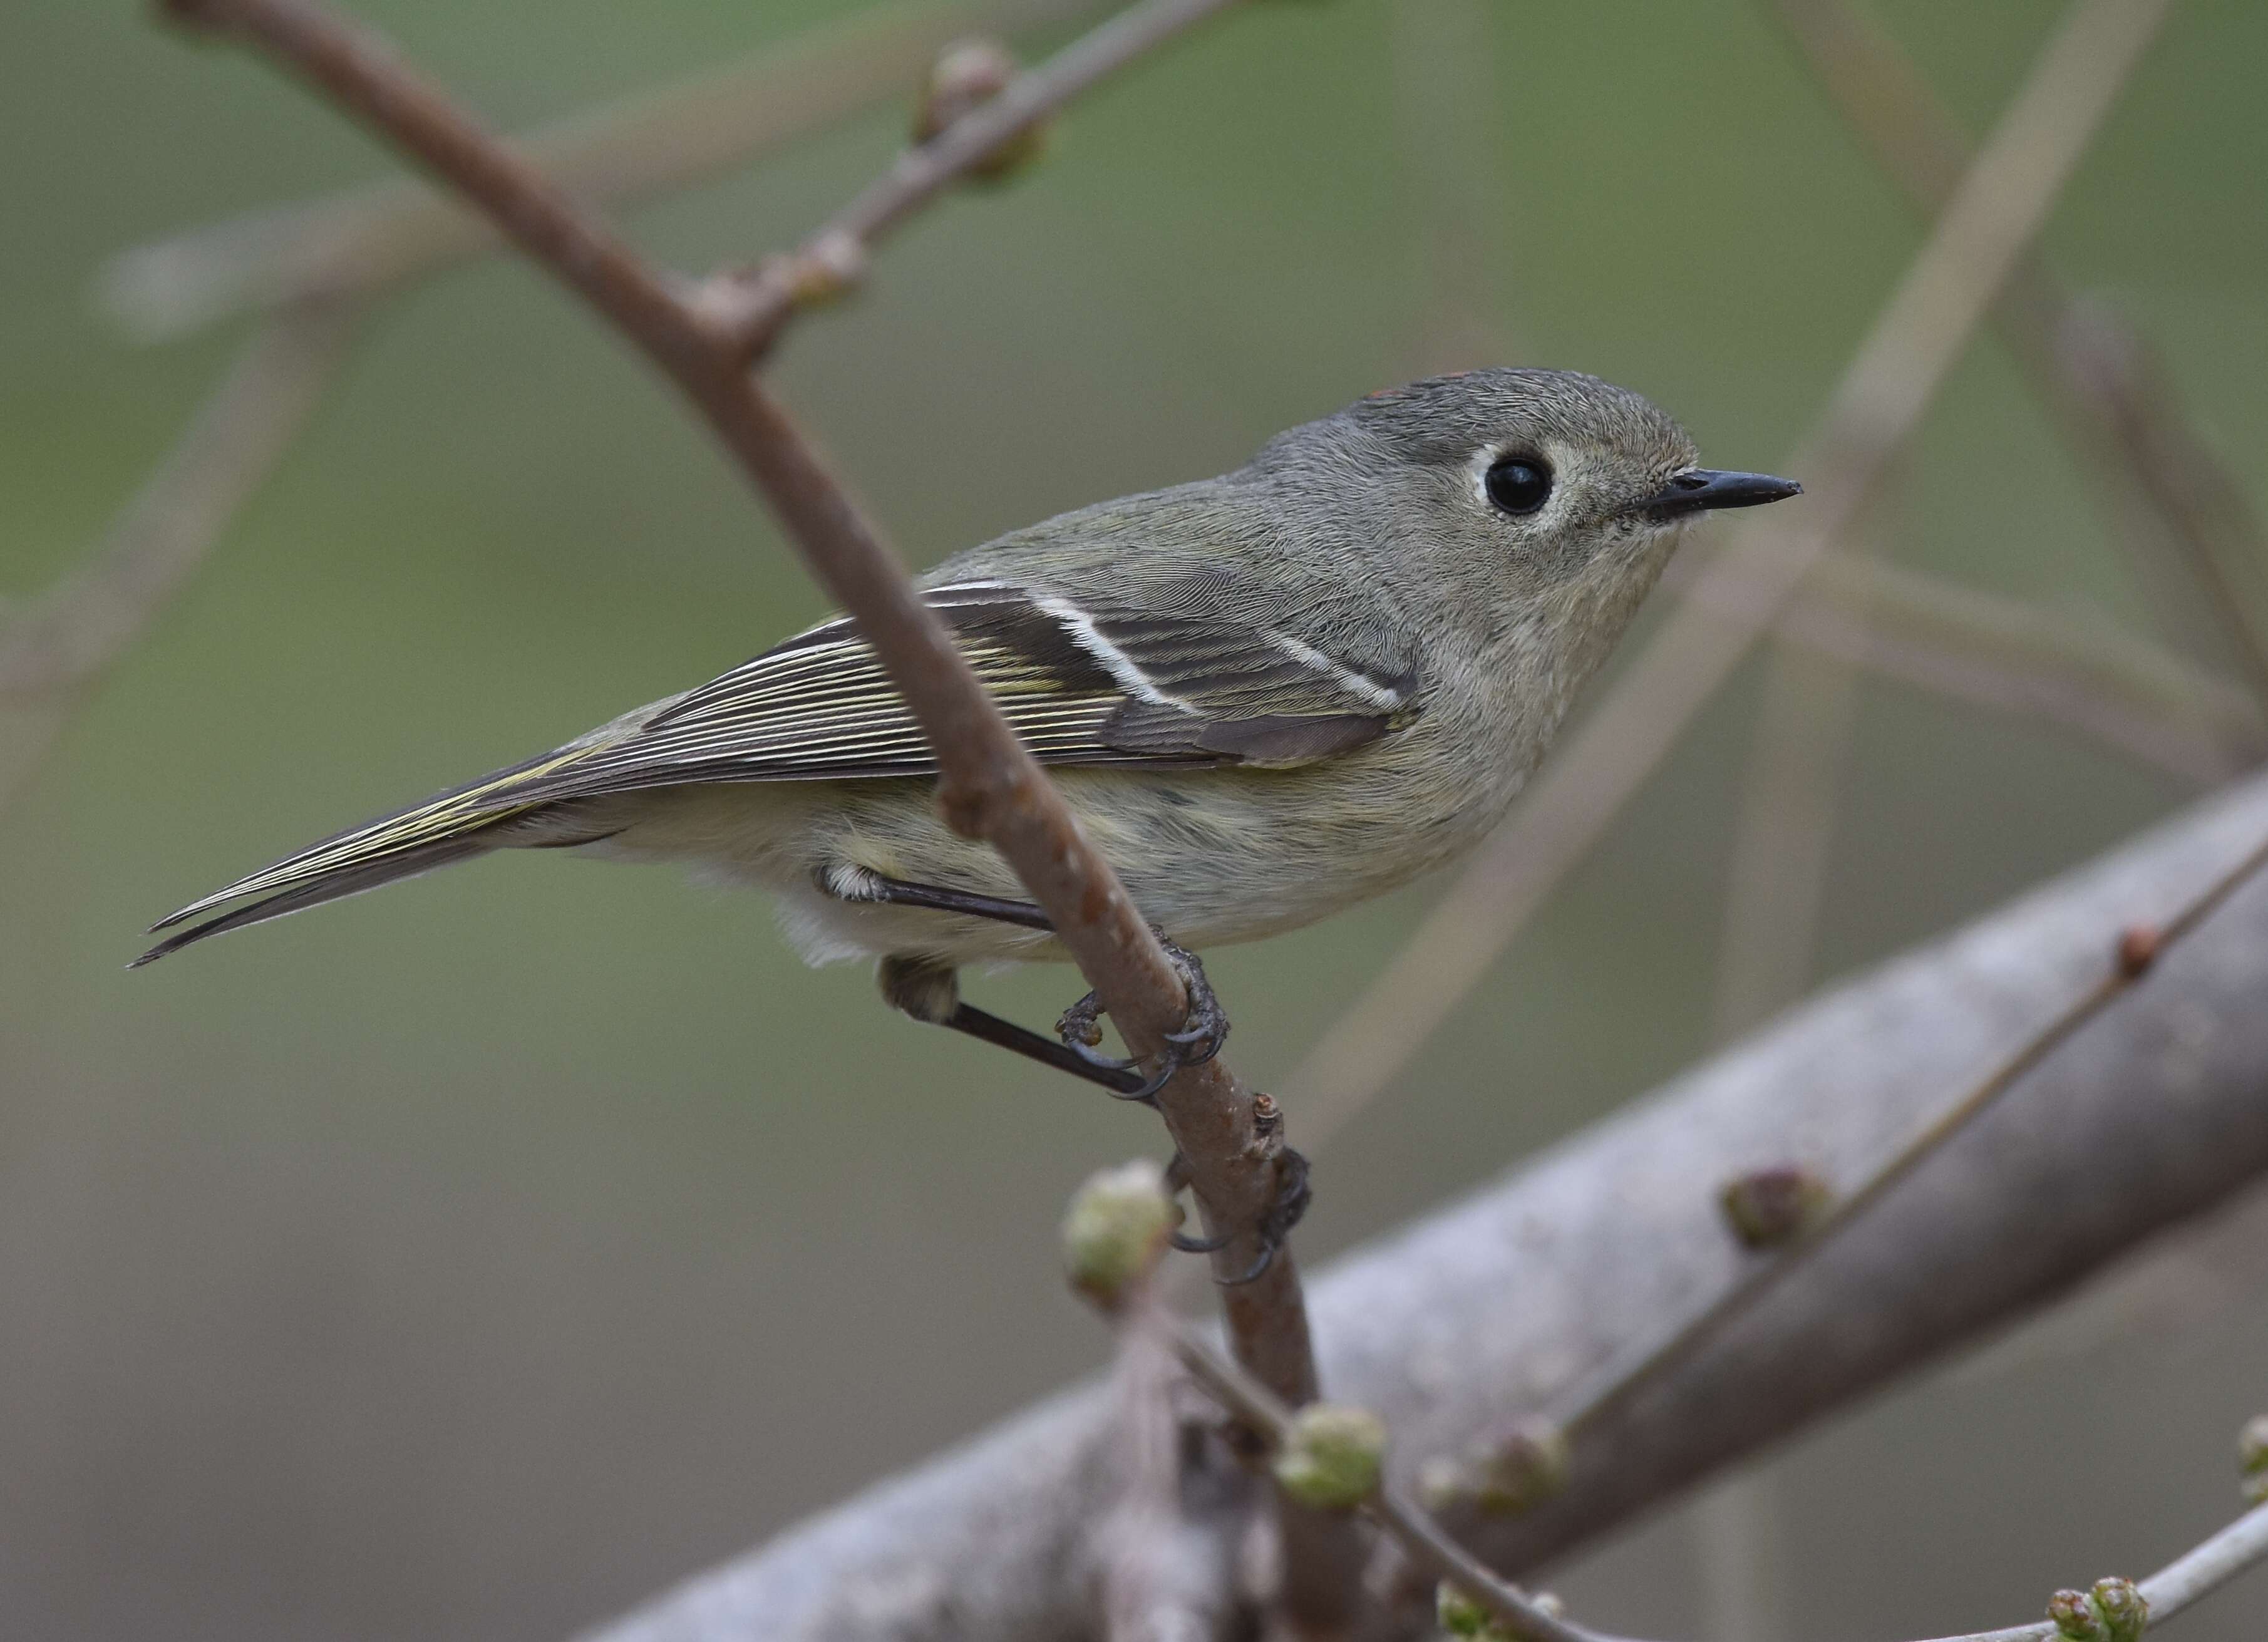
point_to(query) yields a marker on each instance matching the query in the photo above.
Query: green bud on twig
(2252, 1458)
(2075, 1617)
(1767, 1207)
(1331, 1456)
(1459, 1615)
(967, 74)
(1513, 1469)
(1520, 1467)
(2113, 1611)
(2125, 1611)
(1443, 1484)
(1117, 1228)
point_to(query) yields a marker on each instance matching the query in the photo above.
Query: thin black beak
(1704, 489)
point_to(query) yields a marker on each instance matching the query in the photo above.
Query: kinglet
(1266, 696)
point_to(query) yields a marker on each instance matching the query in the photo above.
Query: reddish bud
(2138, 946)
(1766, 1207)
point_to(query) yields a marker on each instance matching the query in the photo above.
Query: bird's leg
(911, 984)
(896, 892)
(929, 991)
(1198, 1039)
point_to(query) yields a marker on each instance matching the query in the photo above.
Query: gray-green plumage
(1267, 694)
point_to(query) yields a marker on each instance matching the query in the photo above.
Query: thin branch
(1446, 82)
(1785, 825)
(62, 641)
(752, 305)
(368, 239)
(1167, 1573)
(2000, 206)
(2003, 653)
(2206, 510)
(1454, 1325)
(2177, 1587)
(2115, 406)
(1617, 1388)
(989, 786)
(55, 648)
(1427, 1544)
(2181, 1585)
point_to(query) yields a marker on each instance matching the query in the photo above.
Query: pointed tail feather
(335, 885)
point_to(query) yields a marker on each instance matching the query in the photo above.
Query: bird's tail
(467, 821)
(331, 885)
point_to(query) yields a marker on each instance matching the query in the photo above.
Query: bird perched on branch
(1266, 696)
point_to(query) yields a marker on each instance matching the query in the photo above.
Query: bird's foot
(1294, 1192)
(1203, 1029)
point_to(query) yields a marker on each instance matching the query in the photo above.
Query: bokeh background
(472, 1259)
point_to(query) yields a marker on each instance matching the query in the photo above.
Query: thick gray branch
(1495, 1306)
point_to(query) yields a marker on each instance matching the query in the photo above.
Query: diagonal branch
(989, 786)
(2014, 657)
(2134, 954)
(2115, 406)
(54, 649)
(1454, 1326)
(753, 304)
(2179, 1586)
(1423, 1540)
(2195, 1574)
(64, 640)
(368, 239)
(2000, 207)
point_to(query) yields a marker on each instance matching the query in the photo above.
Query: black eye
(1519, 484)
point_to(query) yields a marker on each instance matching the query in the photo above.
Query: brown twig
(989, 786)
(1424, 1540)
(752, 305)
(54, 649)
(2000, 206)
(365, 240)
(2179, 1586)
(2131, 955)
(2115, 404)
(1449, 1327)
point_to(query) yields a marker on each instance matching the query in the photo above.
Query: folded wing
(1082, 686)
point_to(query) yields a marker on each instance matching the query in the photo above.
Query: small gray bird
(1266, 696)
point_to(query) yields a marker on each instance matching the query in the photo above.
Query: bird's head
(1561, 490)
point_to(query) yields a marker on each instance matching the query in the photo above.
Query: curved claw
(1079, 1034)
(1199, 1037)
(1253, 1273)
(1177, 1180)
(1294, 1192)
(1204, 1028)
(1121, 1079)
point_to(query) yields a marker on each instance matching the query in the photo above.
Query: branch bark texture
(989, 785)
(1491, 1309)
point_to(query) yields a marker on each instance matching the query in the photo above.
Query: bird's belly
(1210, 856)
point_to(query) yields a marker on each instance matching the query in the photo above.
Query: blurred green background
(472, 1259)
